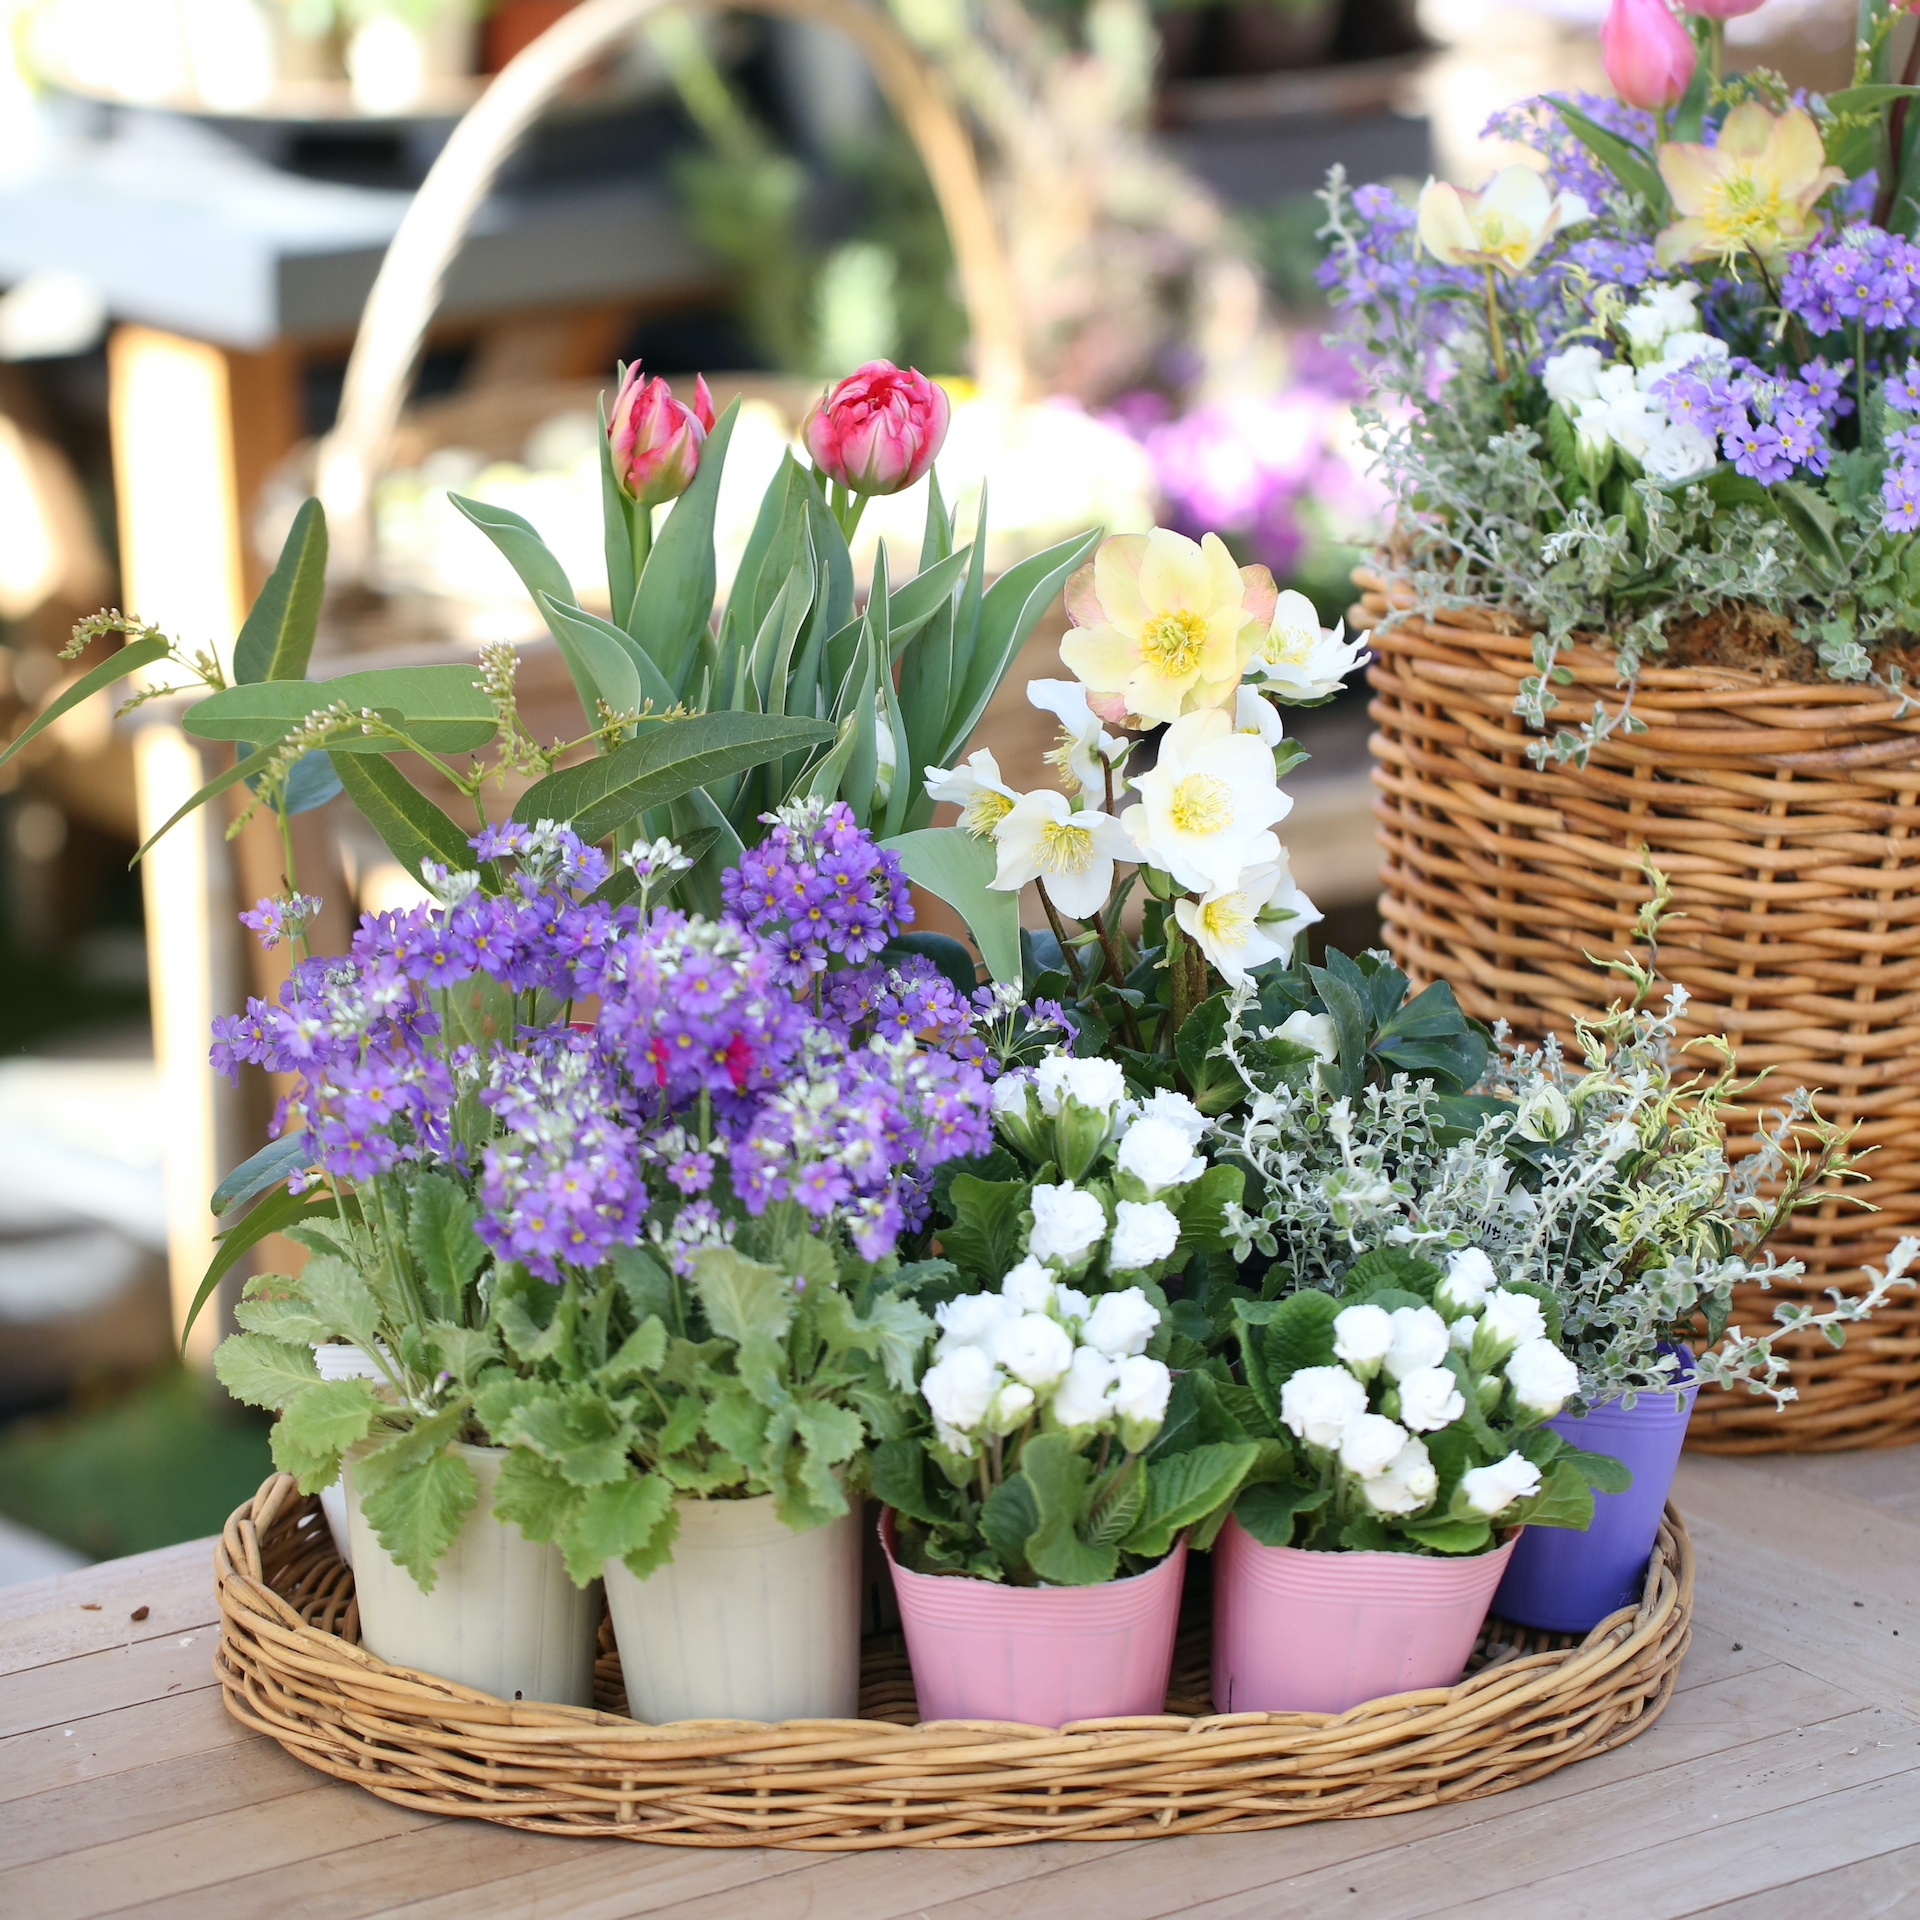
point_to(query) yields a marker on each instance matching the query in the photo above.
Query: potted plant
(1036, 1521)
(1407, 1449)
(1647, 418)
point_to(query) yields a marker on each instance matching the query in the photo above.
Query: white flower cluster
(1040, 1349)
(1502, 1335)
(1615, 406)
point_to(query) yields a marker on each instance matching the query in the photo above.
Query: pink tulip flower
(656, 439)
(1722, 9)
(879, 430)
(1649, 56)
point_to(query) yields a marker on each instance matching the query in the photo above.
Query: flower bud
(1362, 1337)
(1492, 1490)
(656, 439)
(1649, 56)
(879, 430)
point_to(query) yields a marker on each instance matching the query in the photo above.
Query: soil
(1752, 641)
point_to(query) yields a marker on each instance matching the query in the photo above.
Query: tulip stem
(639, 539)
(1717, 49)
(1493, 331)
(1896, 138)
(847, 507)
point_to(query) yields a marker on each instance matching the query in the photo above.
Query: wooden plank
(91, 1609)
(1886, 1887)
(104, 1744)
(304, 1826)
(70, 1690)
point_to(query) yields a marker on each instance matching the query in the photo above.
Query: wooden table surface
(1783, 1782)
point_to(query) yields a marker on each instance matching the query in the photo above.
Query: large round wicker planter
(289, 1668)
(1786, 816)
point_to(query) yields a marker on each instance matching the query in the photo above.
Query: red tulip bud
(879, 430)
(656, 439)
(1649, 56)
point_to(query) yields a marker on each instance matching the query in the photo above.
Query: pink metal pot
(1321, 1632)
(1038, 1656)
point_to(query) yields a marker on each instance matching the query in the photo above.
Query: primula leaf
(984, 1239)
(1184, 1490)
(959, 869)
(264, 1372)
(744, 1300)
(1057, 1550)
(1564, 1500)
(1269, 1511)
(1300, 1334)
(440, 1232)
(615, 1522)
(419, 1508)
(639, 1354)
(287, 1319)
(318, 1426)
(736, 1423)
(894, 1332)
(1201, 1208)
(578, 1433)
(809, 1490)
(1450, 1536)
(899, 1481)
(277, 640)
(534, 1495)
(1601, 1471)
(1008, 1517)
(342, 1299)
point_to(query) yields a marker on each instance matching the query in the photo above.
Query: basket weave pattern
(290, 1668)
(1786, 818)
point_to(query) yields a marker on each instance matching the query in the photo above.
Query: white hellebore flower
(1297, 659)
(1255, 713)
(1320, 1031)
(1470, 1278)
(1176, 1107)
(958, 1391)
(1361, 1337)
(1035, 1350)
(984, 799)
(1140, 1393)
(1070, 853)
(1085, 751)
(1544, 1115)
(1097, 1085)
(970, 1321)
(1254, 920)
(1205, 808)
(1029, 1286)
(1144, 1232)
(1369, 1444)
(1492, 1490)
(1318, 1403)
(1419, 1341)
(1068, 1223)
(1430, 1399)
(1122, 1323)
(1542, 1377)
(1406, 1486)
(1511, 1319)
(1159, 1155)
(1504, 225)
(1085, 1398)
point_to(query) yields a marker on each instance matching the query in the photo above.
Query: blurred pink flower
(1649, 56)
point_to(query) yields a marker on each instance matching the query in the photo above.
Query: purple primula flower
(285, 916)
(1900, 491)
(1903, 389)
(1758, 452)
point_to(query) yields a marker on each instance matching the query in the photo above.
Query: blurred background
(195, 196)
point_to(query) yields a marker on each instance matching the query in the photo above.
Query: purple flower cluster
(1769, 428)
(1900, 487)
(285, 917)
(818, 887)
(1859, 276)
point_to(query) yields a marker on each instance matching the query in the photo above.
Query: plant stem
(1717, 49)
(1059, 927)
(1493, 331)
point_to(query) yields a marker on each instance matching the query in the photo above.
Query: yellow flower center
(1503, 238)
(1227, 920)
(984, 812)
(1171, 643)
(1288, 646)
(1065, 849)
(1743, 210)
(1202, 804)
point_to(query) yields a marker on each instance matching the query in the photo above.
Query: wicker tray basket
(1785, 815)
(290, 1668)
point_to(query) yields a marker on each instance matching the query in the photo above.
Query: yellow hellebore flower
(1164, 626)
(1752, 193)
(1504, 225)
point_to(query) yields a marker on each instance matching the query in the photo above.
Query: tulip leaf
(445, 709)
(602, 659)
(130, 659)
(950, 863)
(1630, 164)
(277, 640)
(674, 601)
(614, 507)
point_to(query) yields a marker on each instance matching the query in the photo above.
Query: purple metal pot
(1566, 1582)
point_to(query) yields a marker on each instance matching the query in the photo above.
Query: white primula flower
(1470, 1278)
(1011, 1096)
(1245, 925)
(1254, 713)
(1122, 1323)
(1659, 312)
(1205, 808)
(1144, 1233)
(1320, 1031)
(1680, 452)
(1361, 1337)
(984, 799)
(1569, 377)
(1543, 1379)
(1097, 1085)
(1460, 1333)
(1176, 1107)
(1544, 1115)
(1070, 1306)
(1158, 1154)
(1140, 1392)
(1085, 750)
(1683, 349)
(1406, 1486)
(1085, 1397)
(1297, 659)
(1034, 1349)
(1510, 1320)
(1419, 1341)
(1317, 1403)
(1029, 1286)
(960, 1388)
(1068, 1223)
(1011, 1407)
(970, 1321)
(1070, 853)
(1430, 1399)
(1369, 1443)
(1492, 1490)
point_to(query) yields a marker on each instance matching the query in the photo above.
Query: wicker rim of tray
(288, 1670)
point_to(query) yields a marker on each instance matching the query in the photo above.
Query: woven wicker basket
(1784, 816)
(290, 1668)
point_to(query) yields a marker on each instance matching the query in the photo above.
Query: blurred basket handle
(407, 289)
